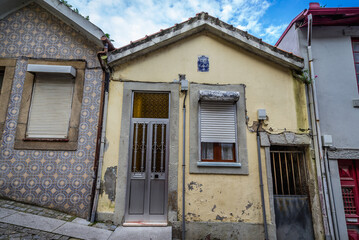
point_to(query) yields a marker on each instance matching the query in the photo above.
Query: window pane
(150, 105)
(357, 68)
(356, 46)
(227, 151)
(139, 147)
(207, 151)
(356, 57)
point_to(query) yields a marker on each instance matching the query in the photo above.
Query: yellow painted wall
(113, 128)
(216, 197)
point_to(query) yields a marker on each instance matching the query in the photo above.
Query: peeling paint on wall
(220, 218)
(249, 205)
(214, 207)
(109, 184)
(194, 186)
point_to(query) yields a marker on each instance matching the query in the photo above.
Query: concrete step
(142, 233)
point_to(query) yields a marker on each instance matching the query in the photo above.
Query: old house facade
(327, 38)
(207, 132)
(50, 100)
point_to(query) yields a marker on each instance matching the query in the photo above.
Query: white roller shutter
(50, 109)
(218, 122)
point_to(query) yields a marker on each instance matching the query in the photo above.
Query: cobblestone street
(19, 221)
(13, 232)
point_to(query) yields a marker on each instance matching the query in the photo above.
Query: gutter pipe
(100, 162)
(331, 195)
(320, 166)
(182, 80)
(101, 131)
(261, 183)
(101, 152)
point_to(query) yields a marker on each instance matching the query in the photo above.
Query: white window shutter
(218, 122)
(50, 108)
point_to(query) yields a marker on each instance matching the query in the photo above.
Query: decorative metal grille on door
(289, 172)
(291, 201)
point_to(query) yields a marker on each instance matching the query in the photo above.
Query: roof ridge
(204, 22)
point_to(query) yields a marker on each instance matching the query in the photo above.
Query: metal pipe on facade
(100, 162)
(321, 175)
(184, 169)
(331, 195)
(261, 183)
(97, 151)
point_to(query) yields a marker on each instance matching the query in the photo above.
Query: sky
(129, 20)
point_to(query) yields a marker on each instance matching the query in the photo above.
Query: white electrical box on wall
(327, 140)
(262, 114)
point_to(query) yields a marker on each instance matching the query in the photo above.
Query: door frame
(287, 139)
(123, 155)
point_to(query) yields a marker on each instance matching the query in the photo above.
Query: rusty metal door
(147, 181)
(293, 217)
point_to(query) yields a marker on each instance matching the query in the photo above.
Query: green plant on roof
(76, 10)
(303, 76)
(108, 37)
(66, 3)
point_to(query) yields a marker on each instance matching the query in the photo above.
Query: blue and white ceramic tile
(57, 179)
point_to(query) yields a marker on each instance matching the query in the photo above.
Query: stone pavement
(22, 221)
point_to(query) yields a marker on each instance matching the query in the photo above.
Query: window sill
(47, 139)
(218, 164)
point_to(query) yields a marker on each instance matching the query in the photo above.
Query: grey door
(291, 199)
(147, 173)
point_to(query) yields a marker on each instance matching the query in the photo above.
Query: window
(50, 107)
(355, 42)
(51, 104)
(218, 131)
(217, 123)
(7, 70)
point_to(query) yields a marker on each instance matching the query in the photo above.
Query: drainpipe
(101, 130)
(321, 173)
(331, 194)
(101, 152)
(184, 88)
(100, 163)
(261, 182)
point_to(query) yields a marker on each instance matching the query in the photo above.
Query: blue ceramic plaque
(203, 64)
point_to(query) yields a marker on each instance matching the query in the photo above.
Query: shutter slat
(218, 122)
(50, 110)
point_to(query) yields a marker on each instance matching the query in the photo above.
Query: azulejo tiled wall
(56, 179)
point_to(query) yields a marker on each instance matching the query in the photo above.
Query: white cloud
(129, 20)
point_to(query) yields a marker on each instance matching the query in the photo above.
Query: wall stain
(220, 218)
(109, 185)
(249, 205)
(214, 207)
(193, 216)
(172, 200)
(194, 186)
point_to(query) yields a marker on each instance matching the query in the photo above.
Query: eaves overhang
(205, 23)
(348, 16)
(60, 10)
